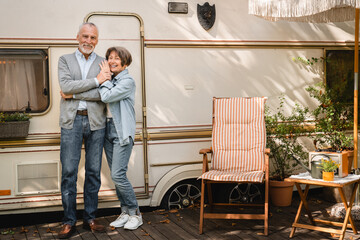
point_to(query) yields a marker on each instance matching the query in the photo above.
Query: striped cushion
(216, 175)
(238, 138)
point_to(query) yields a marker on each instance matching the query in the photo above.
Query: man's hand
(105, 73)
(66, 96)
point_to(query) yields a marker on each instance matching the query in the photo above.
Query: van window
(24, 80)
(340, 74)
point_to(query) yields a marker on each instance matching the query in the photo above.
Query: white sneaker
(134, 222)
(121, 220)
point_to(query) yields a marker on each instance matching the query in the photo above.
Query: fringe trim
(304, 10)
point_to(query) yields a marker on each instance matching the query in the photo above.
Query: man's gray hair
(89, 24)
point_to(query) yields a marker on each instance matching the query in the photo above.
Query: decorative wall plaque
(177, 7)
(206, 15)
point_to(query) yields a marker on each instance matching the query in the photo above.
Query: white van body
(178, 66)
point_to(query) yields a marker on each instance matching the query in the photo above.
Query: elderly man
(82, 119)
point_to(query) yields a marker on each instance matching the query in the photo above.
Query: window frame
(44, 52)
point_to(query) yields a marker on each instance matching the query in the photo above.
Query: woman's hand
(105, 73)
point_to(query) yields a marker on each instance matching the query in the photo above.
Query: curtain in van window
(22, 84)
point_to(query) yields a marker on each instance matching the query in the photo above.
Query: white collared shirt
(84, 67)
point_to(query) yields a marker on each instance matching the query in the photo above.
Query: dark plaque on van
(206, 15)
(178, 7)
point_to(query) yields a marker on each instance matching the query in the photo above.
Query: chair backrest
(238, 134)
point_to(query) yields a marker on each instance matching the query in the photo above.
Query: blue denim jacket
(120, 94)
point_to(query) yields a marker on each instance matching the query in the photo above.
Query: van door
(126, 30)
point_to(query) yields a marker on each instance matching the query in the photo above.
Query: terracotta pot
(328, 176)
(281, 193)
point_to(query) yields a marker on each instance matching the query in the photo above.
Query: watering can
(315, 170)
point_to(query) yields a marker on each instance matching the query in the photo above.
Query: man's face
(87, 38)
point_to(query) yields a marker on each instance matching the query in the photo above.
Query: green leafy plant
(309, 61)
(332, 119)
(283, 132)
(328, 165)
(11, 117)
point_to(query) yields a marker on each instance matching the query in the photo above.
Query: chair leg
(202, 206)
(266, 209)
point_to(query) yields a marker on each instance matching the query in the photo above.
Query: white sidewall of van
(171, 178)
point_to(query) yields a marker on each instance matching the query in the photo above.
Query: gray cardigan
(71, 82)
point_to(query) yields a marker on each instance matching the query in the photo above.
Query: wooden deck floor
(183, 224)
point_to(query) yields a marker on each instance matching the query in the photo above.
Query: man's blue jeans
(118, 159)
(70, 153)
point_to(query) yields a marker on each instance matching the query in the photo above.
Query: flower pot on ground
(281, 193)
(14, 125)
(283, 131)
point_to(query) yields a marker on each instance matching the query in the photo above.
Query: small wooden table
(338, 183)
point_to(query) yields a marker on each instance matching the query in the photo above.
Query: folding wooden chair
(238, 153)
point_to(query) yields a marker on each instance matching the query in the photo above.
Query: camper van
(181, 60)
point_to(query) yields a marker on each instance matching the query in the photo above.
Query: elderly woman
(119, 95)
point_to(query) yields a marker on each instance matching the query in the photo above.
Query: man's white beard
(86, 51)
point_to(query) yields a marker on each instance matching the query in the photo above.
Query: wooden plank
(317, 228)
(332, 223)
(122, 232)
(112, 232)
(83, 233)
(169, 229)
(44, 232)
(151, 230)
(54, 229)
(18, 235)
(9, 233)
(176, 217)
(233, 228)
(141, 233)
(216, 230)
(32, 233)
(233, 216)
(102, 236)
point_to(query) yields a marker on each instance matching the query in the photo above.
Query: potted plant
(328, 167)
(14, 125)
(283, 132)
(332, 120)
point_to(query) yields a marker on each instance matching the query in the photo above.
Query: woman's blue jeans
(118, 159)
(70, 154)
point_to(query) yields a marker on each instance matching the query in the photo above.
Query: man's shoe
(66, 231)
(120, 221)
(93, 226)
(134, 222)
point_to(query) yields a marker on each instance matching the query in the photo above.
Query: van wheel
(182, 195)
(245, 193)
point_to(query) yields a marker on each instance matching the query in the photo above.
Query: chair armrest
(205, 151)
(267, 151)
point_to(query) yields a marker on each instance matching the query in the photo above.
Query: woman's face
(115, 63)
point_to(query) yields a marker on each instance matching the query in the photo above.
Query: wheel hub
(244, 199)
(185, 202)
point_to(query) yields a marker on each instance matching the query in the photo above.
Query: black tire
(182, 195)
(246, 193)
